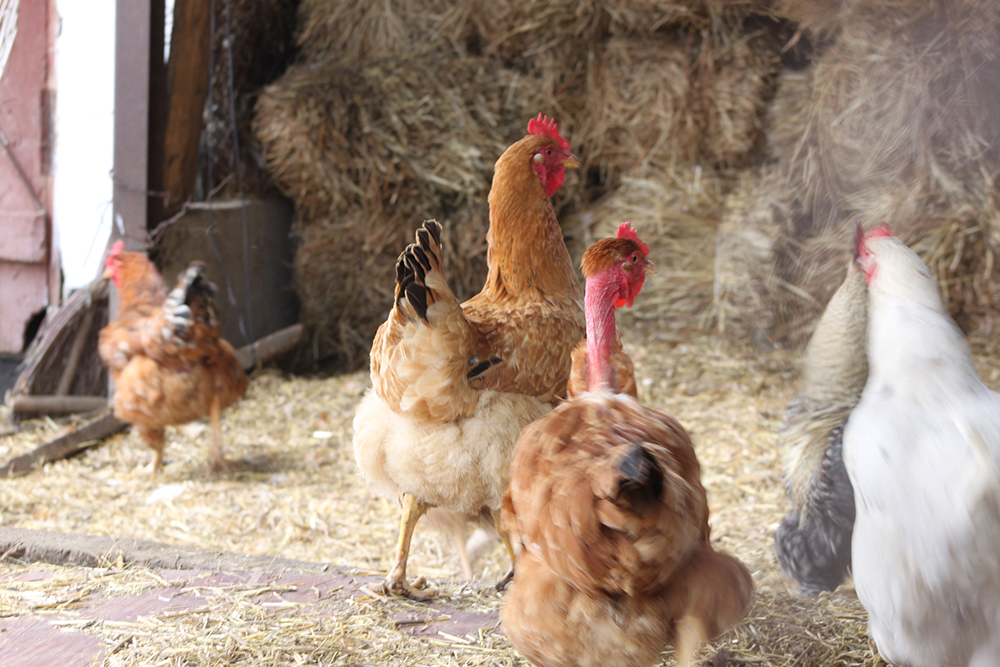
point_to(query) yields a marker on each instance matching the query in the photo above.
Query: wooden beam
(65, 445)
(133, 22)
(56, 404)
(271, 346)
(187, 78)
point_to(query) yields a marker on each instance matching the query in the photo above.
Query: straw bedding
(295, 492)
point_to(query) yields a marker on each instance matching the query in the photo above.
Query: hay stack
(400, 108)
(676, 215)
(900, 125)
(651, 106)
(369, 149)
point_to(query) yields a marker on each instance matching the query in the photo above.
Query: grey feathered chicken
(813, 542)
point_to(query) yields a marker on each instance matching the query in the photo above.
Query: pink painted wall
(26, 275)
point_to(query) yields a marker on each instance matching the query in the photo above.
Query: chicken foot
(689, 636)
(395, 583)
(507, 578)
(216, 461)
(155, 439)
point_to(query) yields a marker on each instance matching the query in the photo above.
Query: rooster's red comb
(547, 126)
(626, 231)
(117, 248)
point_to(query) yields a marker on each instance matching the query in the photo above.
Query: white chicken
(922, 449)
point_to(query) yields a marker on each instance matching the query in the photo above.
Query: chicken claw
(507, 578)
(395, 583)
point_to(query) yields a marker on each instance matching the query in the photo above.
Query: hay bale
(675, 213)
(368, 150)
(355, 30)
(419, 133)
(898, 126)
(343, 274)
(649, 105)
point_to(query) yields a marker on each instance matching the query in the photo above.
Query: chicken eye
(548, 151)
(635, 258)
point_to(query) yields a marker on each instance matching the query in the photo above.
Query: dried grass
(894, 124)
(399, 110)
(675, 213)
(296, 493)
(370, 149)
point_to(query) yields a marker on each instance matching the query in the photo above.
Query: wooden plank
(93, 551)
(65, 445)
(271, 346)
(133, 24)
(73, 362)
(188, 83)
(57, 404)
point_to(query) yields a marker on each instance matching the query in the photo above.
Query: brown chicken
(167, 360)
(453, 384)
(608, 516)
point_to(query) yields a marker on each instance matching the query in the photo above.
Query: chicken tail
(631, 476)
(419, 277)
(191, 302)
(718, 590)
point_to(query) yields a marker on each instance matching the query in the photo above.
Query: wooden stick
(65, 445)
(271, 346)
(73, 362)
(57, 404)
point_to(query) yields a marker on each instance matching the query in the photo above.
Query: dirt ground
(294, 492)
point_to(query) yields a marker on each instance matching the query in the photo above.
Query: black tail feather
(414, 264)
(191, 301)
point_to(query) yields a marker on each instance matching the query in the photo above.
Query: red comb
(626, 231)
(545, 126)
(117, 247)
(881, 229)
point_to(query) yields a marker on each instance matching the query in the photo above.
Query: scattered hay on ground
(295, 492)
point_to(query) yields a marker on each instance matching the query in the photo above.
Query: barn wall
(25, 233)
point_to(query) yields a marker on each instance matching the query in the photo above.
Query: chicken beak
(650, 268)
(859, 238)
(571, 161)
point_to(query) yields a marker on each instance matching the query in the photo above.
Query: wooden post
(187, 79)
(133, 20)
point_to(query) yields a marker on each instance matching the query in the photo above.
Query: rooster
(453, 384)
(607, 513)
(922, 449)
(813, 542)
(168, 362)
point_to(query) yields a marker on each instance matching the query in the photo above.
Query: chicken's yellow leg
(396, 583)
(688, 639)
(507, 578)
(216, 461)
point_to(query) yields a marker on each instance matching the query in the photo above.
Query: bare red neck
(602, 332)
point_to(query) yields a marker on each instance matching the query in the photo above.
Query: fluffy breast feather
(461, 464)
